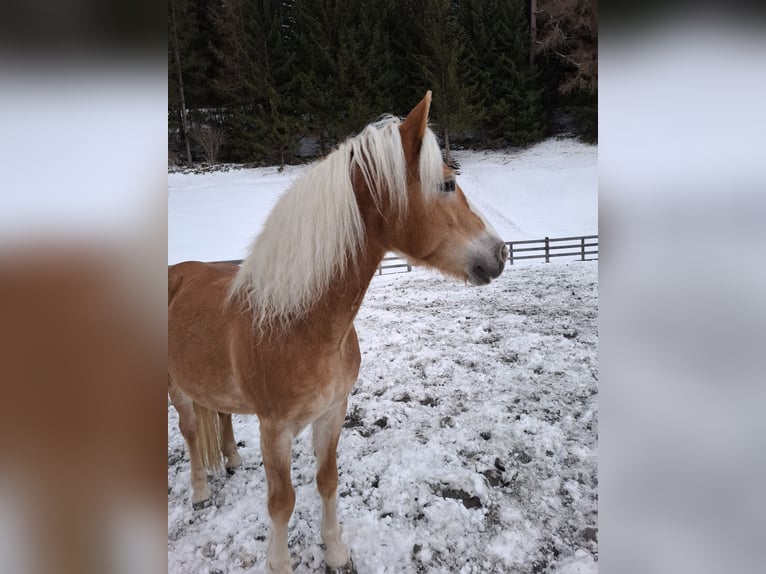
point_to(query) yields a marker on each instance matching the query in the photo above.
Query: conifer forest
(270, 82)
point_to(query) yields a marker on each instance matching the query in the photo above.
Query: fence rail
(399, 263)
(581, 247)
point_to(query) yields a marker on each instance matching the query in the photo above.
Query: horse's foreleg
(228, 443)
(326, 432)
(276, 446)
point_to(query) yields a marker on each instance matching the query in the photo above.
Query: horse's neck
(346, 291)
(339, 306)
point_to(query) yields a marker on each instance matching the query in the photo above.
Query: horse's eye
(447, 185)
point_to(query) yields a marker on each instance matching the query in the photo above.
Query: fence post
(582, 248)
(547, 250)
(510, 252)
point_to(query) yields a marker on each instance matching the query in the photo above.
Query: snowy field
(470, 443)
(549, 189)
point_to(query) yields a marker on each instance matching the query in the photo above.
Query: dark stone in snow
(461, 495)
(472, 502)
(522, 456)
(494, 477)
(353, 420)
(486, 435)
(499, 465)
(590, 534)
(381, 422)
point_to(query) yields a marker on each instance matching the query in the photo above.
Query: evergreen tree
(257, 79)
(347, 65)
(442, 49)
(316, 42)
(509, 90)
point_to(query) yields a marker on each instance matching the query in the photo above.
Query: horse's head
(439, 227)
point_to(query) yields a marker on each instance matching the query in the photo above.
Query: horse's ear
(414, 126)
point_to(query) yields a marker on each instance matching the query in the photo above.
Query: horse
(275, 336)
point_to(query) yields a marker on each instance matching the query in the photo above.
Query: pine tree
(442, 50)
(257, 79)
(517, 114)
(476, 21)
(509, 90)
(316, 41)
(347, 65)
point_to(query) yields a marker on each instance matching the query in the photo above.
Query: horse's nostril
(503, 252)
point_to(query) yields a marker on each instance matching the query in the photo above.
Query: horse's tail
(209, 437)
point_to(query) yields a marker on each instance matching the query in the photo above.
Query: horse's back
(198, 273)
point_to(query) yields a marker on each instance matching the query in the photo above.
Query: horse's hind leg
(187, 423)
(276, 446)
(326, 432)
(228, 443)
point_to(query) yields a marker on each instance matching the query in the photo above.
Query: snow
(547, 190)
(470, 442)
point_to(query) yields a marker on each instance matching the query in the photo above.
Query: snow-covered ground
(470, 443)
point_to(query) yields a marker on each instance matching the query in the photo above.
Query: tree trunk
(184, 120)
(532, 30)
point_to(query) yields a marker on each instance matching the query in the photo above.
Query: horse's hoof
(202, 504)
(347, 568)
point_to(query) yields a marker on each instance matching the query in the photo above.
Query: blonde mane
(315, 231)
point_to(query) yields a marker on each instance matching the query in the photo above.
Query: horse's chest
(304, 384)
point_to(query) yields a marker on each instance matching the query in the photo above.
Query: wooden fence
(581, 247)
(392, 261)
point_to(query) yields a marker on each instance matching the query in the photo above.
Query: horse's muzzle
(489, 265)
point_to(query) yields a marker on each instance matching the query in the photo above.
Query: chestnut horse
(276, 337)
